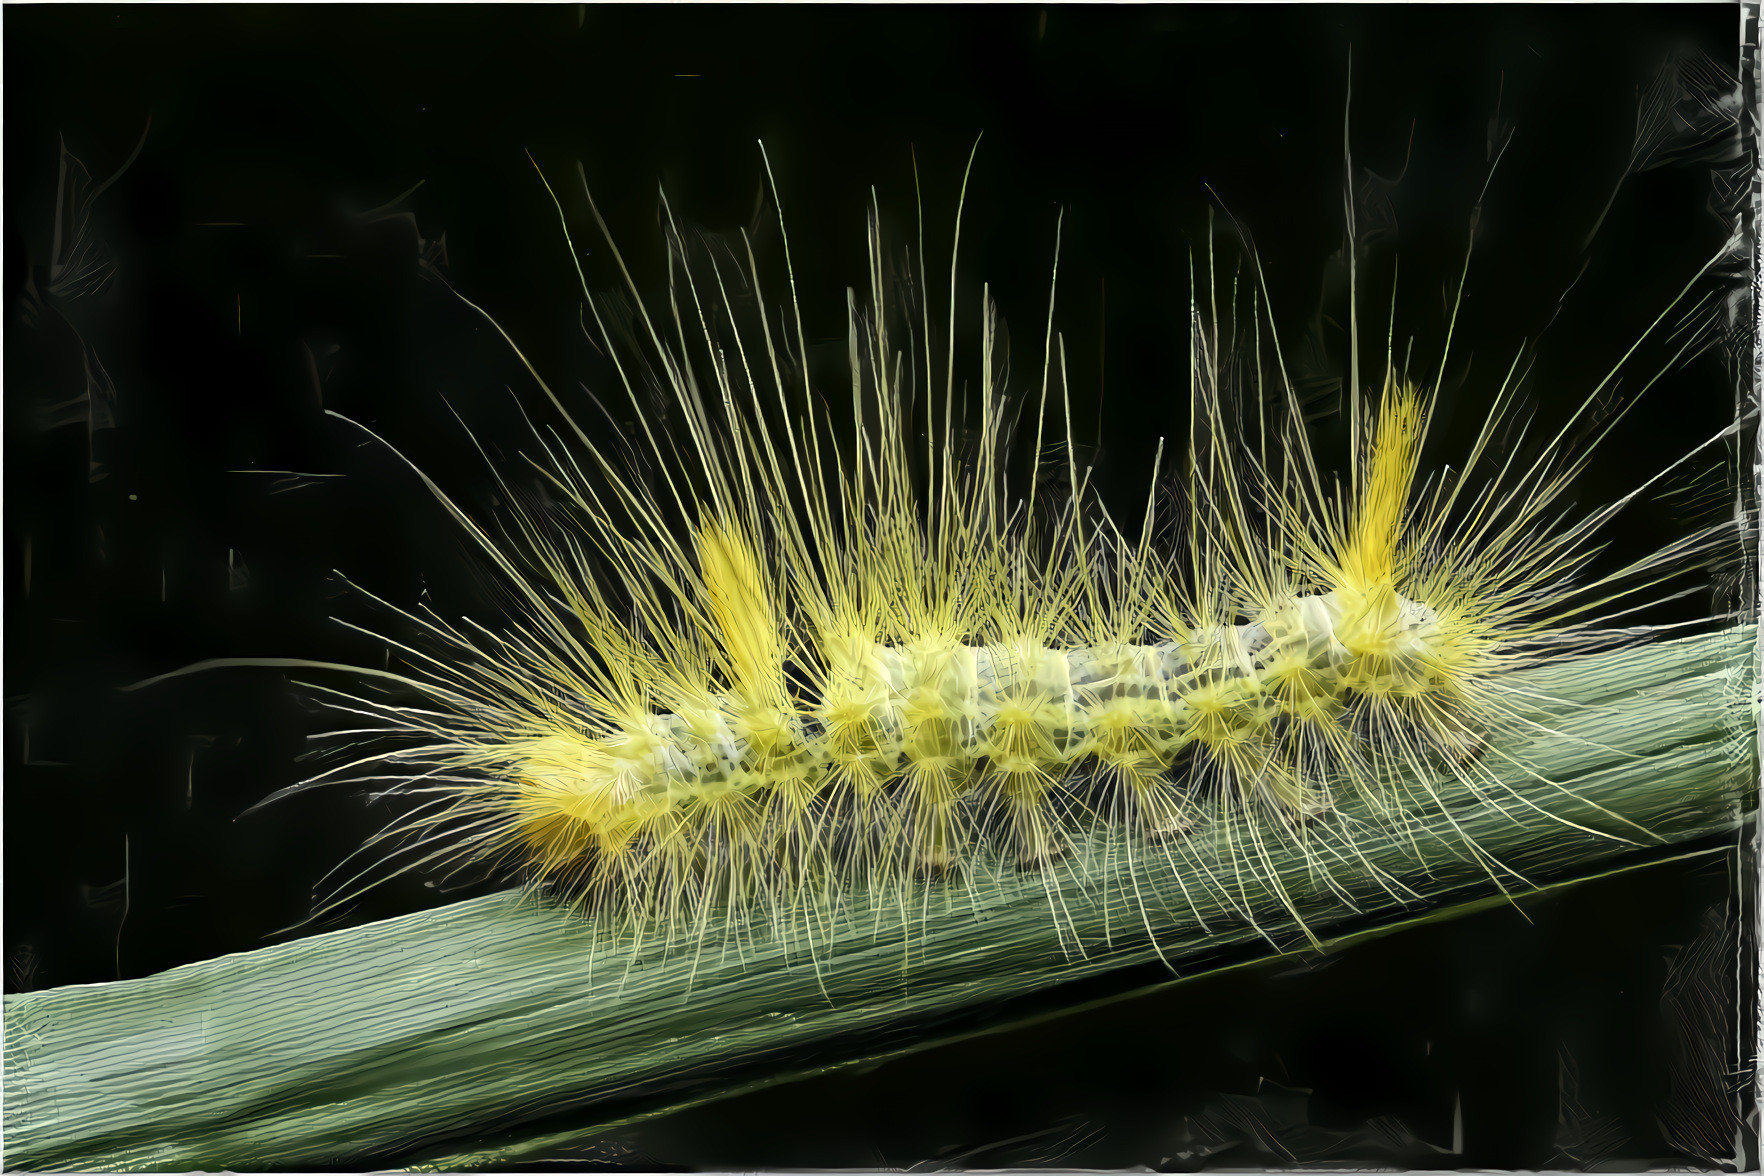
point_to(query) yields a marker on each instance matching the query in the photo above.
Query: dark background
(246, 274)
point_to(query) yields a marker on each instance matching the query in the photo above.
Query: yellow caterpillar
(768, 660)
(770, 654)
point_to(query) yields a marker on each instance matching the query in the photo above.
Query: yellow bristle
(740, 598)
(1368, 562)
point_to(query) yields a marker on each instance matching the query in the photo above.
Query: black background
(250, 292)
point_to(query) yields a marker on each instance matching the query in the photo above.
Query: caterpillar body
(768, 658)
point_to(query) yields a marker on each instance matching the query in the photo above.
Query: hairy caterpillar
(772, 654)
(786, 665)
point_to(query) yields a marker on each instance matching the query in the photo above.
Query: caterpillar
(771, 650)
(771, 653)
